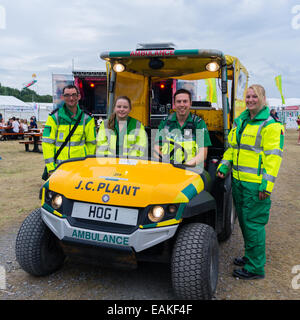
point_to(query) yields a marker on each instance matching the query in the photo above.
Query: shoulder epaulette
(196, 118)
(54, 111)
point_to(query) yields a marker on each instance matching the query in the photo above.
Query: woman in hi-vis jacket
(254, 156)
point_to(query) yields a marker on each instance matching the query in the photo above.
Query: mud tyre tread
(195, 250)
(37, 249)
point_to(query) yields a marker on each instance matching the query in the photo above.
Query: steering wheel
(171, 154)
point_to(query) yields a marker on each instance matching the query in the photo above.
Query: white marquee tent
(13, 107)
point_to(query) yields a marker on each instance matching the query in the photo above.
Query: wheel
(37, 249)
(194, 263)
(229, 219)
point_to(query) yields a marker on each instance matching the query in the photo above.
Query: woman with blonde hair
(254, 156)
(121, 135)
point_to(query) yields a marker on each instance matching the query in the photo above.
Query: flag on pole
(30, 84)
(279, 86)
(211, 90)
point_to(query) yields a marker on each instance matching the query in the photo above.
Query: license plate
(105, 213)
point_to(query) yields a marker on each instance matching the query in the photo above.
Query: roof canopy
(184, 64)
(10, 101)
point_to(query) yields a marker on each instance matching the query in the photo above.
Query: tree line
(26, 95)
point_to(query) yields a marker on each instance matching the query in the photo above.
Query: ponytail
(112, 121)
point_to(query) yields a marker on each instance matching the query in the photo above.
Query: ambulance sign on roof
(152, 53)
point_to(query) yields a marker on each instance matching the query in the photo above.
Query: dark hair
(112, 118)
(70, 86)
(179, 91)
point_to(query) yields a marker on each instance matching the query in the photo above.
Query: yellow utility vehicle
(123, 210)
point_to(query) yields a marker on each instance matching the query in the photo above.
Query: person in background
(121, 135)
(23, 125)
(254, 155)
(298, 123)
(274, 114)
(32, 123)
(15, 125)
(2, 123)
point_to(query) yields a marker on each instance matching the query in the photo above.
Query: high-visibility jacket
(131, 141)
(255, 149)
(191, 136)
(57, 128)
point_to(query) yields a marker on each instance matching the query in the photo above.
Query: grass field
(20, 182)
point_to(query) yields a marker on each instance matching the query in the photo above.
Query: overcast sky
(43, 37)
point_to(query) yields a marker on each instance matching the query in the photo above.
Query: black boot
(246, 275)
(240, 261)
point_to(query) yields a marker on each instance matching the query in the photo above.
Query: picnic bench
(35, 147)
(35, 139)
(11, 135)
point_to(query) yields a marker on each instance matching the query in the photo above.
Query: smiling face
(71, 98)
(254, 103)
(122, 109)
(182, 104)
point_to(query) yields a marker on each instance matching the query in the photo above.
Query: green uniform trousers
(253, 215)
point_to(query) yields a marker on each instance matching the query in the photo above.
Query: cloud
(44, 37)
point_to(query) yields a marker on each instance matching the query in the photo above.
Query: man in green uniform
(184, 129)
(58, 125)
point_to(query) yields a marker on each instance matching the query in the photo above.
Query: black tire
(229, 219)
(37, 249)
(195, 262)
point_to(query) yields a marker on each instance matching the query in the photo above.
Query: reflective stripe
(258, 134)
(227, 163)
(47, 140)
(268, 177)
(276, 152)
(59, 161)
(138, 125)
(58, 144)
(92, 142)
(247, 169)
(49, 160)
(77, 143)
(251, 148)
(247, 147)
(85, 117)
(72, 143)
(103, 148)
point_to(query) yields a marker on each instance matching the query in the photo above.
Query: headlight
(156, 213)
(56, 201)
(119, 67)
(212, 66)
